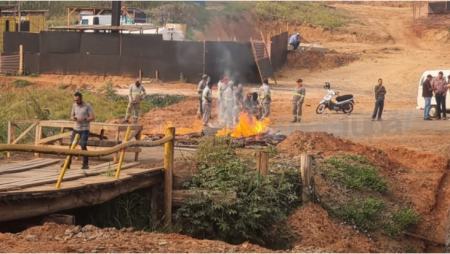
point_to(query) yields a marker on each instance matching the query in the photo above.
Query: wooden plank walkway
(28, 189)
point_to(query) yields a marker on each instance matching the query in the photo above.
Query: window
(85, 22)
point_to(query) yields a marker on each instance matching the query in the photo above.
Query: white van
(421, 101)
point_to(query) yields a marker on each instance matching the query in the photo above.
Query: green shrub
(354, 172)
(402, 220)
(23, 83)
(260, 203)
(364, 214)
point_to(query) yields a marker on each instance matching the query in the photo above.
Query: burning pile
(247, 126)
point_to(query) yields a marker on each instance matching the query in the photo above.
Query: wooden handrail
(60, 151)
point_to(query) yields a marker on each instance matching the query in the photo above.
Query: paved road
(359, 126)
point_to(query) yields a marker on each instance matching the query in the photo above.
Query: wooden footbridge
(30, 188)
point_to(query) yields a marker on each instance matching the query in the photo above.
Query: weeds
(402, 220)
(23, 83)
(299, 12)
(272, 150)
(34, 75)
(128, 210)
(110, 172)
(352, 171)
(364, 214)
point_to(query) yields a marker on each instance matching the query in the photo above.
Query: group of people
(231, 101)
(437, 87)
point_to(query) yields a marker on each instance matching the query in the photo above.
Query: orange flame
(197, 127)
(247, 126)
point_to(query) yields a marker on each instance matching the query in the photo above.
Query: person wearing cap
(427, 93)
(297, 101)
(265, 98)
(380, 93)
(207, 102)
(201, 87)
(440, 91)
(136, 94)
(295, 40)
(222, 85)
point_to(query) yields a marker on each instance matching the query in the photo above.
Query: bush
(260, 203)
(354, 172)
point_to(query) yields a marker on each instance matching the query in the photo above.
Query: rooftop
(102, 27)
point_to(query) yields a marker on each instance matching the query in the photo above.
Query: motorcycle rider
(297, 101)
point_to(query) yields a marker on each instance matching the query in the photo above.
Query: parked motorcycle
(344, 102)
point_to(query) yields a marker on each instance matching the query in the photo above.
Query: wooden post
(154, 204)
(66, 163)
(8, 154)
(168, 176)
(122, 154)
(305, 169)
(262, 163)
(37, 137)
(68, 16)
(204, 57)
(137, 137)
(120, 53)
(117, 140)
(140, 75)
(157, 76)
(20, 59)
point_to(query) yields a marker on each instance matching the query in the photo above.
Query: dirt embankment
(63, 238)
(415, 179)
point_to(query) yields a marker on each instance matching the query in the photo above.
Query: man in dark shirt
(439, 86)
(380, 91)
(427, 93)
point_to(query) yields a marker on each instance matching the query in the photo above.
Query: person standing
(427, 93)
(207, 102)
(295, 40)
(380, 92)
(136, 94)
(238, 102)
(440, 90)
(297, 101)
(265, 98)
(228, 103)
(201, 86)
(221, 106)
(82, 114)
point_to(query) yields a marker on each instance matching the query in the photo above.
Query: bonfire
(247, 126)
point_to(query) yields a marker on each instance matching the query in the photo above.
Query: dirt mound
(317, 60)
(317, 229)
(62, 238)
(401, 4)
(414, 177)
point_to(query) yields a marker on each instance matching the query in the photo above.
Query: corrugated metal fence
(9, 64)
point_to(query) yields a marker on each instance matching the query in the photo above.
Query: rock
(88, 228)
(32, 238)
(76, 230)
(163, 243)
(80, 235)
(68, 232)
(80, 250)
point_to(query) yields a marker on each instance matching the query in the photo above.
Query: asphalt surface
(402, 123)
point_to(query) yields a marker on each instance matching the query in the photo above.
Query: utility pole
(20, 18)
